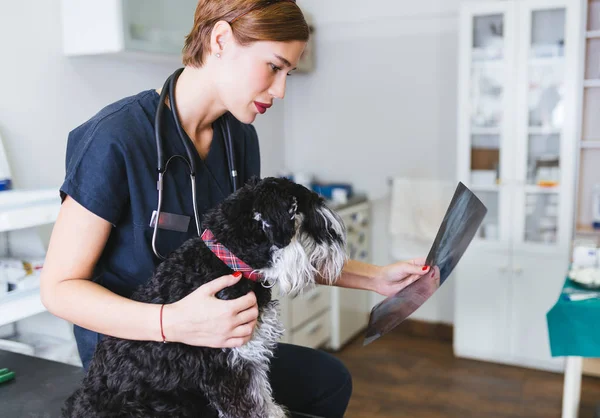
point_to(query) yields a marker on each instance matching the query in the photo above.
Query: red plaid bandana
(228, 257)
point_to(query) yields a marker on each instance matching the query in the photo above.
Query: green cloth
(574, 326)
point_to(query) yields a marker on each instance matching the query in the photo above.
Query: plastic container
(327, 189)
(5, 174)
(596, 206)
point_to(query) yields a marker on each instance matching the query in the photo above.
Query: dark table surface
(40, 386)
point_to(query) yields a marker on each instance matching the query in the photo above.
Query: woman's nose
(277, 89)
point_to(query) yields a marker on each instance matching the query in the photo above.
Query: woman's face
(253, 76)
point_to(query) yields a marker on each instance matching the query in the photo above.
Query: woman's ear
(221, 35)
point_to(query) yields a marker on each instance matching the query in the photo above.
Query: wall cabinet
(145, 27)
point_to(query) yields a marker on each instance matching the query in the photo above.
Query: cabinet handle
(518, 270)
(314, 295)
(503, 269)
(314, 329)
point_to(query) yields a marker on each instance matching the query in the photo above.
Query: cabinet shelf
(27, 208)
(593, 34)
(18, 305)
(590, 144)
(532, 188)
(591, 83)
(538, 130)
(546, 61)
(587, 230)
(485, 188)
(485, 131)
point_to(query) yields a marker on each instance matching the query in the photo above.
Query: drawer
(356, 217)
(315, 333)
(307, 305)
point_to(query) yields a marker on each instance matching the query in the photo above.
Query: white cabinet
(20, 210)
(350, 307)
(31, 329)
(331, 316)
(150, 27)
(517, 141)
(534, 291)
(482, 305)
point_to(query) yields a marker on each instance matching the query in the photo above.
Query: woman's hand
(395, 277)
(201, 319)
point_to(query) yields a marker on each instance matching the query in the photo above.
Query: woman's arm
(387, 280)
(77, 241)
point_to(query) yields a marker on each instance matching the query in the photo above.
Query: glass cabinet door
(540, 157)
(484, 121)
(157, 25)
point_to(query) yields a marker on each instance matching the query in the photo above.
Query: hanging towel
(416, 213)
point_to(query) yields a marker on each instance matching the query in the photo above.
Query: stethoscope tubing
(169, 90)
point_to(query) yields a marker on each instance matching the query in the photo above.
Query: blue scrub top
(111, 169)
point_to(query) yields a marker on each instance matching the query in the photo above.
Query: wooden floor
(406, 376)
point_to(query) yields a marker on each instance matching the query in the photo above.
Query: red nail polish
(425, 268)
(237, 274)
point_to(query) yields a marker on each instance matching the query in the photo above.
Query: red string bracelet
(161, 324)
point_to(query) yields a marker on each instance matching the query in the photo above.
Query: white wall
(381, 103)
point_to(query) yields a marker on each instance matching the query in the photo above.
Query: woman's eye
(275, 68)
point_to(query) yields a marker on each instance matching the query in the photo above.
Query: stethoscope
(169, 88)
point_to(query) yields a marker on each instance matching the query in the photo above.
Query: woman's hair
(250, 20)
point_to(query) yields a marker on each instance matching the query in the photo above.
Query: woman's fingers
(247, 316)
(418, 261)
(416, 269)
(244, 330)
(243, 303)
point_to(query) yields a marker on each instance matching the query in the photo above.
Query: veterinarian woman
(236, 59)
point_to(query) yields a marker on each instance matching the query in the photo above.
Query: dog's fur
(280, 229)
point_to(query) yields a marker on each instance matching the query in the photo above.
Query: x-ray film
(459, 226)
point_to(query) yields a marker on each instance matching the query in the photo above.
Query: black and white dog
(283, 234)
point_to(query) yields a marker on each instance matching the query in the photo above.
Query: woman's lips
(262, 107)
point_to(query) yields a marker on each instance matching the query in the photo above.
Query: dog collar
(228, 257)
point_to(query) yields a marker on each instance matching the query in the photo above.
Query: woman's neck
(198, 105)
